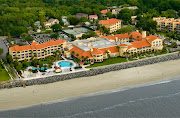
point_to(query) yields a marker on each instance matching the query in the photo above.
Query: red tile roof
(109, 22)
(104, 11)
(110, 37)
(151, 38)
(36, 45)
(96, 51)
(139, 44)
(80, 52)
(112, 49)
(123, 45)
(135, 35)
(97, 32)
(93, 16)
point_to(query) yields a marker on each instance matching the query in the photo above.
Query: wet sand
(18, 97)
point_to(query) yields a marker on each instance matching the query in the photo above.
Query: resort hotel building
(93, 49)
(111, 24)
(36, 50)
(169, 24)
(98, 49)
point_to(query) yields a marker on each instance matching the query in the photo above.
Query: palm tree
(128, 54)
(77, 54)
(166, 29)
(132, 54)
(82, 57)
(108, 55)
(124, 53)
(59, 52)
(86, 58)
(135, 53)
(73, 52)
(55, 54)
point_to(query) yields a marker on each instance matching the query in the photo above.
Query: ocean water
(159, 100)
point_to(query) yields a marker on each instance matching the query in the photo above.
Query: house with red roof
(91, 17)
(111, 24)
(104, 12)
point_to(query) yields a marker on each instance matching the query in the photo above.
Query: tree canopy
(16, 16)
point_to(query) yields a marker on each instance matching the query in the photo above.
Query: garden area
(109, 61)
(4, 74)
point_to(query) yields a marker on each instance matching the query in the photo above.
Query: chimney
(116, 39)
(80, 43)
(107, 18)
(88, 44)
(92, 48)
(143, 34)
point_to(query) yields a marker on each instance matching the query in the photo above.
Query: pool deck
(37, 75)
(53, 74)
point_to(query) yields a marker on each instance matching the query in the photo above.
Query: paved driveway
(4, 47)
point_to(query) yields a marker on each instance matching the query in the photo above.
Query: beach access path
(37, 94)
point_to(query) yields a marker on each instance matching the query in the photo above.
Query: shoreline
(71, 89)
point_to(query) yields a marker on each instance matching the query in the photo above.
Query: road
(4, 47)
(157, 100)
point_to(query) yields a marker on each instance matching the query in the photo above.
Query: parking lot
(4, 47)
(41, 38)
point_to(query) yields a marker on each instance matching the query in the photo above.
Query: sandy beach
(18, 97)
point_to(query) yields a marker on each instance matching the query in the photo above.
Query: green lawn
(160, 53)
(141, 57)
(109, 61)
(132, 59)
(4, 75)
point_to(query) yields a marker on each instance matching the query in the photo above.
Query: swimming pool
(34, 68)
(43, 68)
(65, 64)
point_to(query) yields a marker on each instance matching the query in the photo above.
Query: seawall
(93, 72)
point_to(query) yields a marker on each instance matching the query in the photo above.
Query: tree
(26, 36)
(83, 19)
(55, 36)
(9, 58)
(57, 27)
(109, 14)
(174, 45)
(73, 52)
(146, 23)
(72, 20)
(77, 55)
(89, 34)
(126, 17)
(1, 51)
